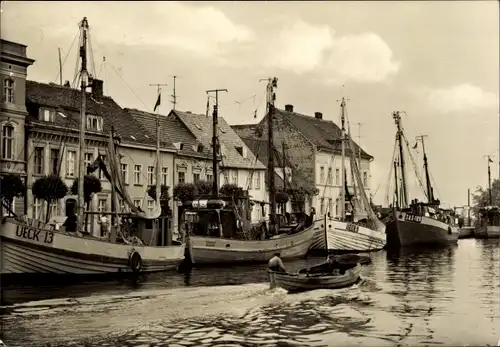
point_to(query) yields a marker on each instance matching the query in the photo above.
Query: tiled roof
(68, 101)
(201, 127)
(172, 130)
(323, 133)
(260, 149)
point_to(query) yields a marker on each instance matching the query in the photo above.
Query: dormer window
(94, 123)
(8, 90)
(179, 146)
(199, 148)
(47, 115)
(242, 151)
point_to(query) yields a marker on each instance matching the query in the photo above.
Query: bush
(203, 188)
(91, 186)
(185, 192)
(281, 197)
(230, 190)
(164, 197)
(49, 188)
(11, 186)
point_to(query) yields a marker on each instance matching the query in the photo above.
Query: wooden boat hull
(348, 237)
(211, 250)
(487, 232)
(405, 229)
(302, 282)
(27, 249)
(465, 232)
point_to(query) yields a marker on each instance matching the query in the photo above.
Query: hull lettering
(352, 227)
(413, 218)
(210, 243)
(34, 234)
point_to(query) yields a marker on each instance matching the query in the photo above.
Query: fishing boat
(488, 225)
(219, 228)
(361, 231)
(465, 229)
(416, 223)
(31, 246)
(305, 281)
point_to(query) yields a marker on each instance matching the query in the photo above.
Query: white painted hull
(303, 282)
(211, 250)
(343, 236)
(53, 252)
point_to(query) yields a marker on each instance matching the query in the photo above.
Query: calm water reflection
(445, 296)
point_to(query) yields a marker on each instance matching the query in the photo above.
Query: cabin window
(54, 161)
(71, 163)
(365, 179)
(337, 177)
(257, 180)
(322, 206)
(321, 175)
(164, 176)
(94, 123)
(181, 177)
(47, 115)
(137, 174)
(37, 208)
(330, 176)
(8, 136)
(38, 162)
(124, 170)
(151, 175)
(8, 90)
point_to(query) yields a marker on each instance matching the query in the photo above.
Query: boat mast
(489, 180)
(342, 167)
(84, 26)
(397, 119)
(430, 195)
(283, 145)
(468, 204)
(271, 98)
(396, 183)
(215, 140)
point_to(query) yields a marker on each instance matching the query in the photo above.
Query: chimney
(97, 88)
(289, 108)
(318, 115)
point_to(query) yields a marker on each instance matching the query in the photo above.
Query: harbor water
(445, 297)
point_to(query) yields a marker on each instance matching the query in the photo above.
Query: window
(6, 212)
(365, 179)
(257, 180)
(101, 173)
(137, 203)
(54, 208)
(70, 163)
(151, 205)
(337, 177)
(8, 142)
(124, 170)
(123, 207)
(330, 205)
(88, 159)
(37, 208)
(8, 90)
(137, 174)
(54, 161)
(181, 177)
(322, 206)
(226, 177)
(234, 177)
(101, 205)
(151, 175)
(94, 123)
(321, 175)
(164, 176)
(38, 161)
(210, 177)
(242, 151)
(337, 212)
(46, 115)
(250, 180)
(196, 177)
(330, 176)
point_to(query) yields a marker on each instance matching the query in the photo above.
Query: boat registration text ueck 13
(38, 235)
(413, 218)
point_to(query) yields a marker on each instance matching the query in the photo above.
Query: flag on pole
(489, 160)
(415, 145)
(158, 102)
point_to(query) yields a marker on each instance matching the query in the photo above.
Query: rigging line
(332, 157)
(434, 182)
(92, 59)
(67, 54)
(391, 168)
(250, 177)
(417, 175)
(77, 65)
(130, 88)
(100, 67)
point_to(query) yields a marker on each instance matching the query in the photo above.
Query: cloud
(303, 47)
(463, 97)
(202, 30)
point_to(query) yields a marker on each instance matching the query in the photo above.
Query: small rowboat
(303, 281)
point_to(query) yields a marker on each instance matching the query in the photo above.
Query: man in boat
(275, 264)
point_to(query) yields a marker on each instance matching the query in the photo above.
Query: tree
(229, 189)
(185, 192)
(164, 198)
(91, 185)
(203, 188)
(11, 186)
(49, 188)
(481, 197)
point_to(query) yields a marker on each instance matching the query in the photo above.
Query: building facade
(314, 149)
(238, 164)
(14, 65)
